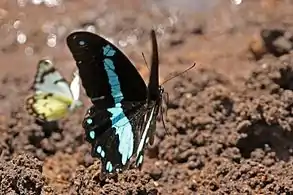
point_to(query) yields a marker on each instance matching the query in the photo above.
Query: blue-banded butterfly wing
(154, 100)
(116, 89)
(114, 142)
(106, 73)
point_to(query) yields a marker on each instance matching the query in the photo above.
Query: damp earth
(229, 120)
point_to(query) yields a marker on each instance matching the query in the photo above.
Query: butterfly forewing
(49, 80)
(106, 73)
(154, 99)
(154, 93)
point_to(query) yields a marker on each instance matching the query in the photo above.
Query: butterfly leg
(166, 100)
(163, 121)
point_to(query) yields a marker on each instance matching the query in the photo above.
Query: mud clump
(21, 175)
(87, 180)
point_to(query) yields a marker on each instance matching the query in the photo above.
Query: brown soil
(230, 119)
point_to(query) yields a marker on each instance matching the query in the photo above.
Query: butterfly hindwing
(106, 73)
(47, 106)
(114, 142)
(147, 133)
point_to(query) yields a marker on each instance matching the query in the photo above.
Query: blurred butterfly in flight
(53, 98)
(122, 119)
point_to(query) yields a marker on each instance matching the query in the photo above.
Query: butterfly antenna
(143, 56)
(178, 74)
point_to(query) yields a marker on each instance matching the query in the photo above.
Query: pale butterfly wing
(49, 80)
(75, 86)
(47, 107)
(53, 97)
(75, 91)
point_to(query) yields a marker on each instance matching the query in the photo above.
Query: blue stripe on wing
(124, 130)
(119, 120)
(111, 134)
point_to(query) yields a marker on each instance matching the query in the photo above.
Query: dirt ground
(230, 119)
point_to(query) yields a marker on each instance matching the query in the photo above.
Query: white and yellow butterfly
(53, 98)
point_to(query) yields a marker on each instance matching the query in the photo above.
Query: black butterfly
(122, 119)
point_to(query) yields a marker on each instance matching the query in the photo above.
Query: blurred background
(31, 30)
(188, 30)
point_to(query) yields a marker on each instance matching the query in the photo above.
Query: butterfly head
(45, 64)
